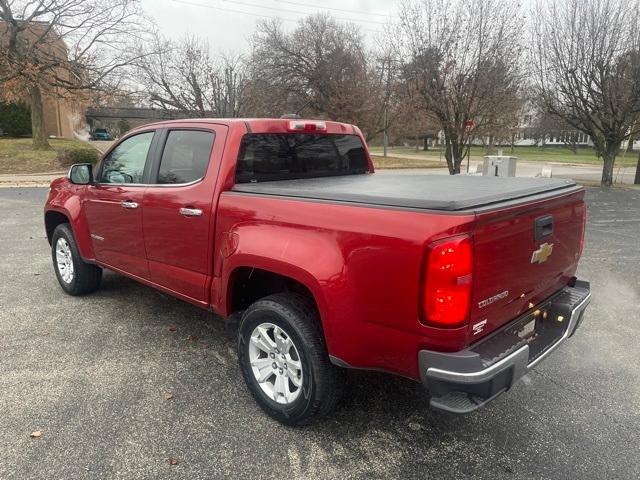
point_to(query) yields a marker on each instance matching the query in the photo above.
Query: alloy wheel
(64, 260)
(275, 363)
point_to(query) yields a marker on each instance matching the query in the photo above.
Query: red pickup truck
(281, 226)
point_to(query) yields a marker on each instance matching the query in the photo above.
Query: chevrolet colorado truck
(282, 227)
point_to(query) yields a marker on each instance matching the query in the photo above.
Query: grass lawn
(18, 156)
(532, 154)
(395, 162)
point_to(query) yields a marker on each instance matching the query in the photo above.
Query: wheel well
(51, 220)
(250, 284)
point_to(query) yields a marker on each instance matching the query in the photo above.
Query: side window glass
(185, 157)
(126, 162)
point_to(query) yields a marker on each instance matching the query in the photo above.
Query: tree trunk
(491, 146)
(458, 154)
(637, 179)
(630, 144)
(609, 157)
(448, 154)
(454, 152)
(39, 134)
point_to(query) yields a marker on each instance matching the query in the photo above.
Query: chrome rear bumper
(463, 381)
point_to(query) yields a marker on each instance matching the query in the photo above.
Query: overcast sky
(228, 24)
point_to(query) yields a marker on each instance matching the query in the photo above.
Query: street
(123, 380)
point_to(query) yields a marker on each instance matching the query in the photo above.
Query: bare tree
(229, 83)
(413, 125)
(587, 69)
(502, 126)
(322, 62)
(461, 58)
(52, 47)
(547, 125)
(387, 102)
(128, 95)
(322, 68)
(265, 99)
(183, 76)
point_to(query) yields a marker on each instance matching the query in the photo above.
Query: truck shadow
(383, 423)
(369, 398)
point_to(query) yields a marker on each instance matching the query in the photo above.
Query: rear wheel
(284, 360)
(76, 277)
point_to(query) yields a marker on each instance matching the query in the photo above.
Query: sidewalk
(29, 179)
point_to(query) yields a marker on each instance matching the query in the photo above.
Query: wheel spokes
(281, 388)
(262, 340)
(265, 370)
(295, 379)
(283, 342)
(64, 260)
(275, 363)
(295, 364)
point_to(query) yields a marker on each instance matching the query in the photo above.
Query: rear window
(273, 156)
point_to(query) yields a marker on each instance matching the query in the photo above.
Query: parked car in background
(101, 134)
(282, 227)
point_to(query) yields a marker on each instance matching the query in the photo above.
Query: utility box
(499, 166)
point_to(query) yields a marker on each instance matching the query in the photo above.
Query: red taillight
(584, 229)
(299, 126)
(448, 281)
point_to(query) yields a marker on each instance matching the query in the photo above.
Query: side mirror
(81, 174)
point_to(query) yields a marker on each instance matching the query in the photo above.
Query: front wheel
(284, 361)
(76, 277)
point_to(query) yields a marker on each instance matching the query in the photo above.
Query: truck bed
(421, 191)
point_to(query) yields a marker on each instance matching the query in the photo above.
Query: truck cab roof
(270, 125)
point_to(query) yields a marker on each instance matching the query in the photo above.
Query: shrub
(123, 126)
(15, 119)
(69, 156)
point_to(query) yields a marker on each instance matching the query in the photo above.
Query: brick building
(63, 111)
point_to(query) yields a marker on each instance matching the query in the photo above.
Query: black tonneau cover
(432, 192)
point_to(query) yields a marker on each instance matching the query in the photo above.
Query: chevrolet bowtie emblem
(542, 253)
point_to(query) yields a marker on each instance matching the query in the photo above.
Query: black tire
(86, 276)
(322, 382)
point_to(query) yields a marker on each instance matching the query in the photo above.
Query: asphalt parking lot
(93, 374)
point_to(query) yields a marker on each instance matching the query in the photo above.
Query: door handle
(543, 227)
(190, 212)
(129, 204)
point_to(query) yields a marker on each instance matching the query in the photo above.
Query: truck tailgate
(522, 255)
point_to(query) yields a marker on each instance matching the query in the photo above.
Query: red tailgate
(508, 279)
